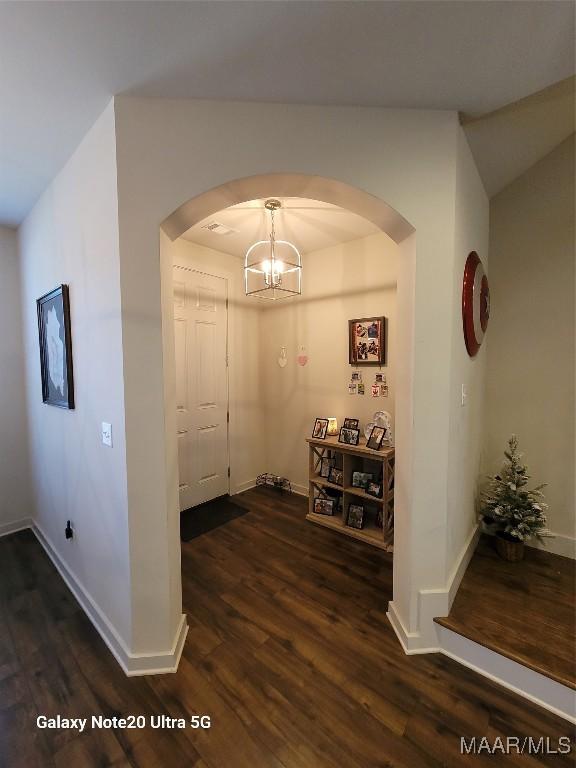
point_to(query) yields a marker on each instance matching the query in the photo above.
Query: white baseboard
(557, 545)
(301, 490)
(411, 642)
(539, 689)
(132, 664)
(245, 486)
(15, 526)
(433, 603)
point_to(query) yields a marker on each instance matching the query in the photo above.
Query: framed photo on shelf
(320, 429)
(361, 479)
(376, 438)
(351, 423)
(323, 506)
(349, 436)
(55, 339)
(326, 465)
(374, 489)
(355, 517)
(336, 476)
(367, 341)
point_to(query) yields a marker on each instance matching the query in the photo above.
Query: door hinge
(228, 471)
(228, 417)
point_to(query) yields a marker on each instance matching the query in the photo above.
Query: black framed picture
(367, 341)
(336, 476)
(326, 464)
(323, 506)
(375, 439)
(56, 348)
(355, 517)
(374, 489)
(361, 479)
(351, 423)
(349, 436)
(320, 429)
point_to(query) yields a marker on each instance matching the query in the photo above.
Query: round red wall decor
(475, 303)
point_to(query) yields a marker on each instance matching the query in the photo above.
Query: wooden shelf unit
(352, 458)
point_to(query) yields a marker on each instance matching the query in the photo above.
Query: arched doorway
(388, 221)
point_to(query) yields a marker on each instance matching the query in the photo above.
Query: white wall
(354, 279)
(170, 151)
(531, 362)
(15, 498)
(71, 236)
(466, 422)
(247, 423)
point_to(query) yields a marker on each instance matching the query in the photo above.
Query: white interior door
(201, 329)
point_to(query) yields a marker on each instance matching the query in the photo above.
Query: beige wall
(272, 409)
(15, 495)
(355, 279)
(170, 151)
(71, 236)
(466, 421)
(530, 377)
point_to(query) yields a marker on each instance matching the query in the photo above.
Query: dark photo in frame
(355, 517)
(376, 438)
(56, 348)
(336, 476)
(323, 506)
(349, 436)
(320, 429)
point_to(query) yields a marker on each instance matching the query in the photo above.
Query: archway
(389, 221)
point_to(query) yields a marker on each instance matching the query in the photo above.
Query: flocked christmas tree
(518, 512)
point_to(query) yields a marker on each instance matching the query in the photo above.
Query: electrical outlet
(107, 434)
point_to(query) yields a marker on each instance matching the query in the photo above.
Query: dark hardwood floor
(525, 610)
(289, 652)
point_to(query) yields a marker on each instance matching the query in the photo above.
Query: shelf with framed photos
(338, 478)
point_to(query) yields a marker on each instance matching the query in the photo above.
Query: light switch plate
(107, 433)
(464, 395)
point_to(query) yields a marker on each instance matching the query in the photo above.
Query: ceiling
(60, 63)
(310, 224)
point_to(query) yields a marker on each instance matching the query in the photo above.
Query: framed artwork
(376, 437)
(323, 506)
(374, 489)
(320, 428)
(336, 476)
(355, 517)
(326, 465)
(349, 436)
(361, 479)
(367, 341)
(351, 423)
(55, 339)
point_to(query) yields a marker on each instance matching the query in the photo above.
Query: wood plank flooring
(525, 611)
(289, 652)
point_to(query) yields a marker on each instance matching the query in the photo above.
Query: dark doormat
(198, 520)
